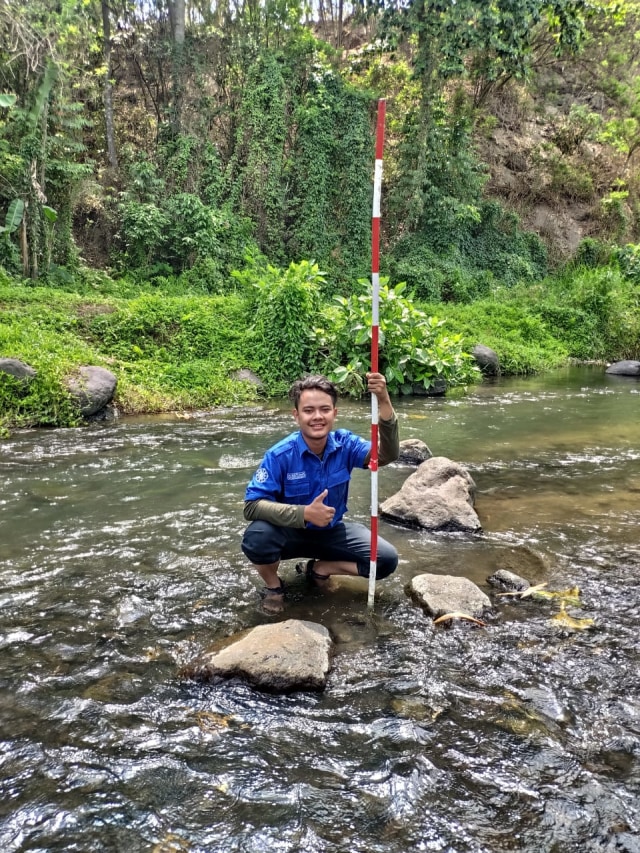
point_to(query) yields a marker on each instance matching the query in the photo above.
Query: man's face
(315, 415)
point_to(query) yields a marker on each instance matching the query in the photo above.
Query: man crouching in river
(298, 496)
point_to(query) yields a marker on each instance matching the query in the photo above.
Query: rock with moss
(92, 389)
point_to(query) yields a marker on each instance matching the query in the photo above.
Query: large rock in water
(442, 594)
(438, 496)
(92, 388)
(280, 658)
(624, 368)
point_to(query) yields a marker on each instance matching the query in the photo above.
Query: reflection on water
(119, 554)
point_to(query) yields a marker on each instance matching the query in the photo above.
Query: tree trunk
(107, 93)
(177, 15)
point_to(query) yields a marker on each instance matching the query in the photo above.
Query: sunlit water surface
(119, 554)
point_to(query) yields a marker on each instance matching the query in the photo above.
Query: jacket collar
(304, 447)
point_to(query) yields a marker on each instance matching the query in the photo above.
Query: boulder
(624, 368)
(438, 496)
(413, 451)
(442, 594)
(280, 658)
(486, 359)
(16, 368)
(92, 388)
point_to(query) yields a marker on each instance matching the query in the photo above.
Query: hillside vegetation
(185, 190)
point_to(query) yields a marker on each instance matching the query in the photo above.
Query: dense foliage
(185, 190)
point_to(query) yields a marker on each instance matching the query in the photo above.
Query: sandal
(272, 591)
(307, 570)
(272, 598)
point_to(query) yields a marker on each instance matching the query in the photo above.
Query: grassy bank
(173, 349)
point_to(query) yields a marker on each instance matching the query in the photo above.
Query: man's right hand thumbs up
(317, 512)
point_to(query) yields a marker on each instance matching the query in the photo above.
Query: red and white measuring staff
(375, 320)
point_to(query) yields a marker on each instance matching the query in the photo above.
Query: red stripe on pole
(374, 367)
(373, 461)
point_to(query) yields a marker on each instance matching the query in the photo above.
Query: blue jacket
(290, 473)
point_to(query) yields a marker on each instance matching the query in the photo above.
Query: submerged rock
(442, 594)
(280, 658)
(438, 496)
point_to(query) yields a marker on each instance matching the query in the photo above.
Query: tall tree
(107, 91)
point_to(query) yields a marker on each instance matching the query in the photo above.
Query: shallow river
(119, 560)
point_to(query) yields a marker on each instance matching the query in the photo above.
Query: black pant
(264, 543)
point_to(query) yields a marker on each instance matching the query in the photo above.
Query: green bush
(628, 260)
(594, 312)
(414, 349)
(492, 251)
(284, 304)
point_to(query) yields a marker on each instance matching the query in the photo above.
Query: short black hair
(312, 383)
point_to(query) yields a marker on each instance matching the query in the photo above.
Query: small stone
(413, 451)
(508, 581)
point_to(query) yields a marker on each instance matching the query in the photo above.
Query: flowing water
(119, 560)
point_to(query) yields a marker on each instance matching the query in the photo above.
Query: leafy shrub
(592, 253)
(414, 349)
(628, 259)
(492, 250)
(142, 229)
(593, 311)
(190, 231)
(285, 305)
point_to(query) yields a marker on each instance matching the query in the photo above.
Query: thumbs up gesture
(317, 512)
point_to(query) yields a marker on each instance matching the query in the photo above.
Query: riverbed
(120, 560)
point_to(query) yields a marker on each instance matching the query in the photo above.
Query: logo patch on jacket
(261, 475)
